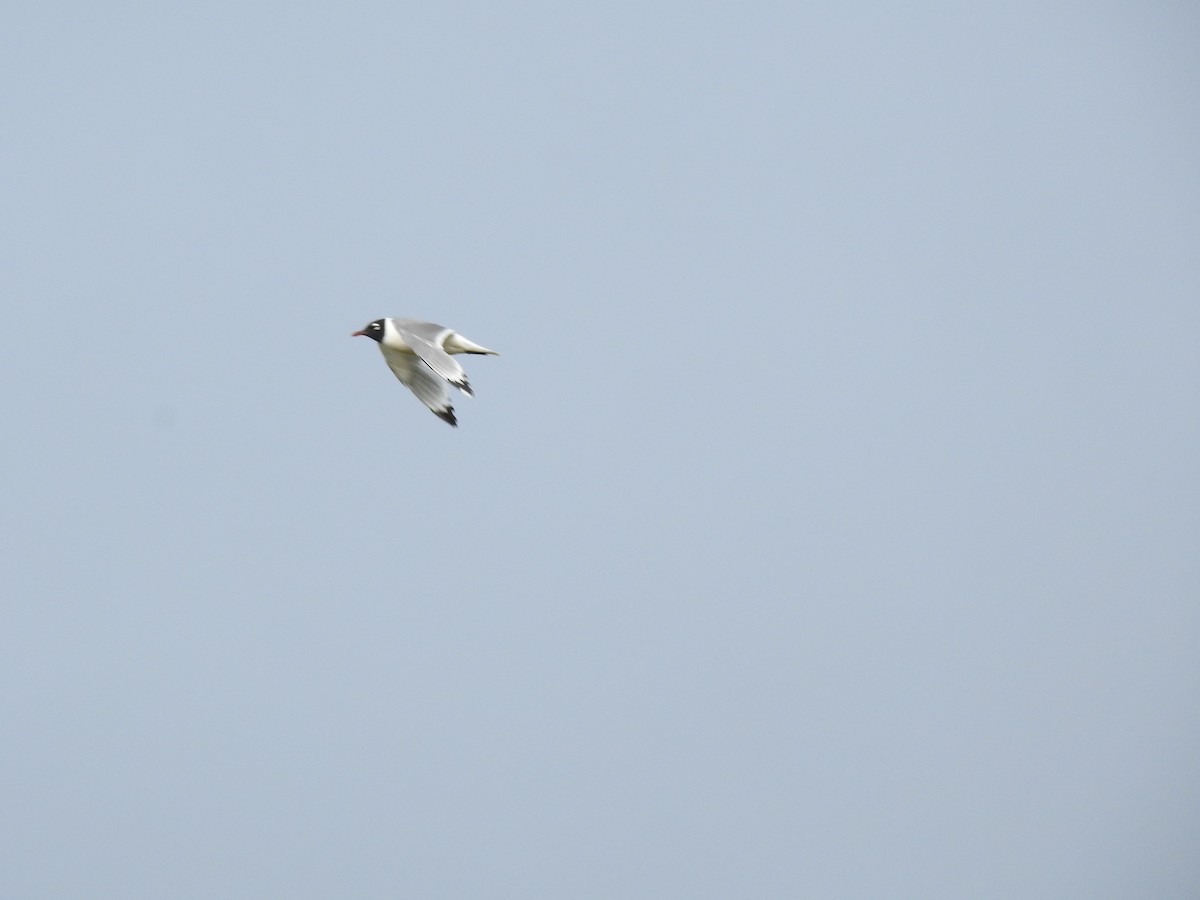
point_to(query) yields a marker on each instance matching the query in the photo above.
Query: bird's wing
(426, 340)
(415, 375)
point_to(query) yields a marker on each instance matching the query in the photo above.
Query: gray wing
(415, 375)
(426, 339)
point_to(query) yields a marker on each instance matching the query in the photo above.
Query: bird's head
(373, 330)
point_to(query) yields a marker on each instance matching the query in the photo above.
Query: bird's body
(420, 354)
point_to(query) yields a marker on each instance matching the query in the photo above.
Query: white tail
(456, 343)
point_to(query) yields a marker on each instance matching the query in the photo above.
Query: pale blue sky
(829, 526)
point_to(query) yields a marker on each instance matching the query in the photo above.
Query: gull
(419, 354)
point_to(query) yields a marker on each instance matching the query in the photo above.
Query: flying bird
(419, 354)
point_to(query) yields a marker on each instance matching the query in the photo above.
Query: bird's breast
(395, 342)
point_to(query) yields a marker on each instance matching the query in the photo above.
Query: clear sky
(829, 527)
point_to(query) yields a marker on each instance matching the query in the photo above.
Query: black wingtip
(447, 415)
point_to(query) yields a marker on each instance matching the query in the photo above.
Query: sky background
(829, 527)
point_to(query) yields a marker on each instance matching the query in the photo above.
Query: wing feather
(416, 375)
